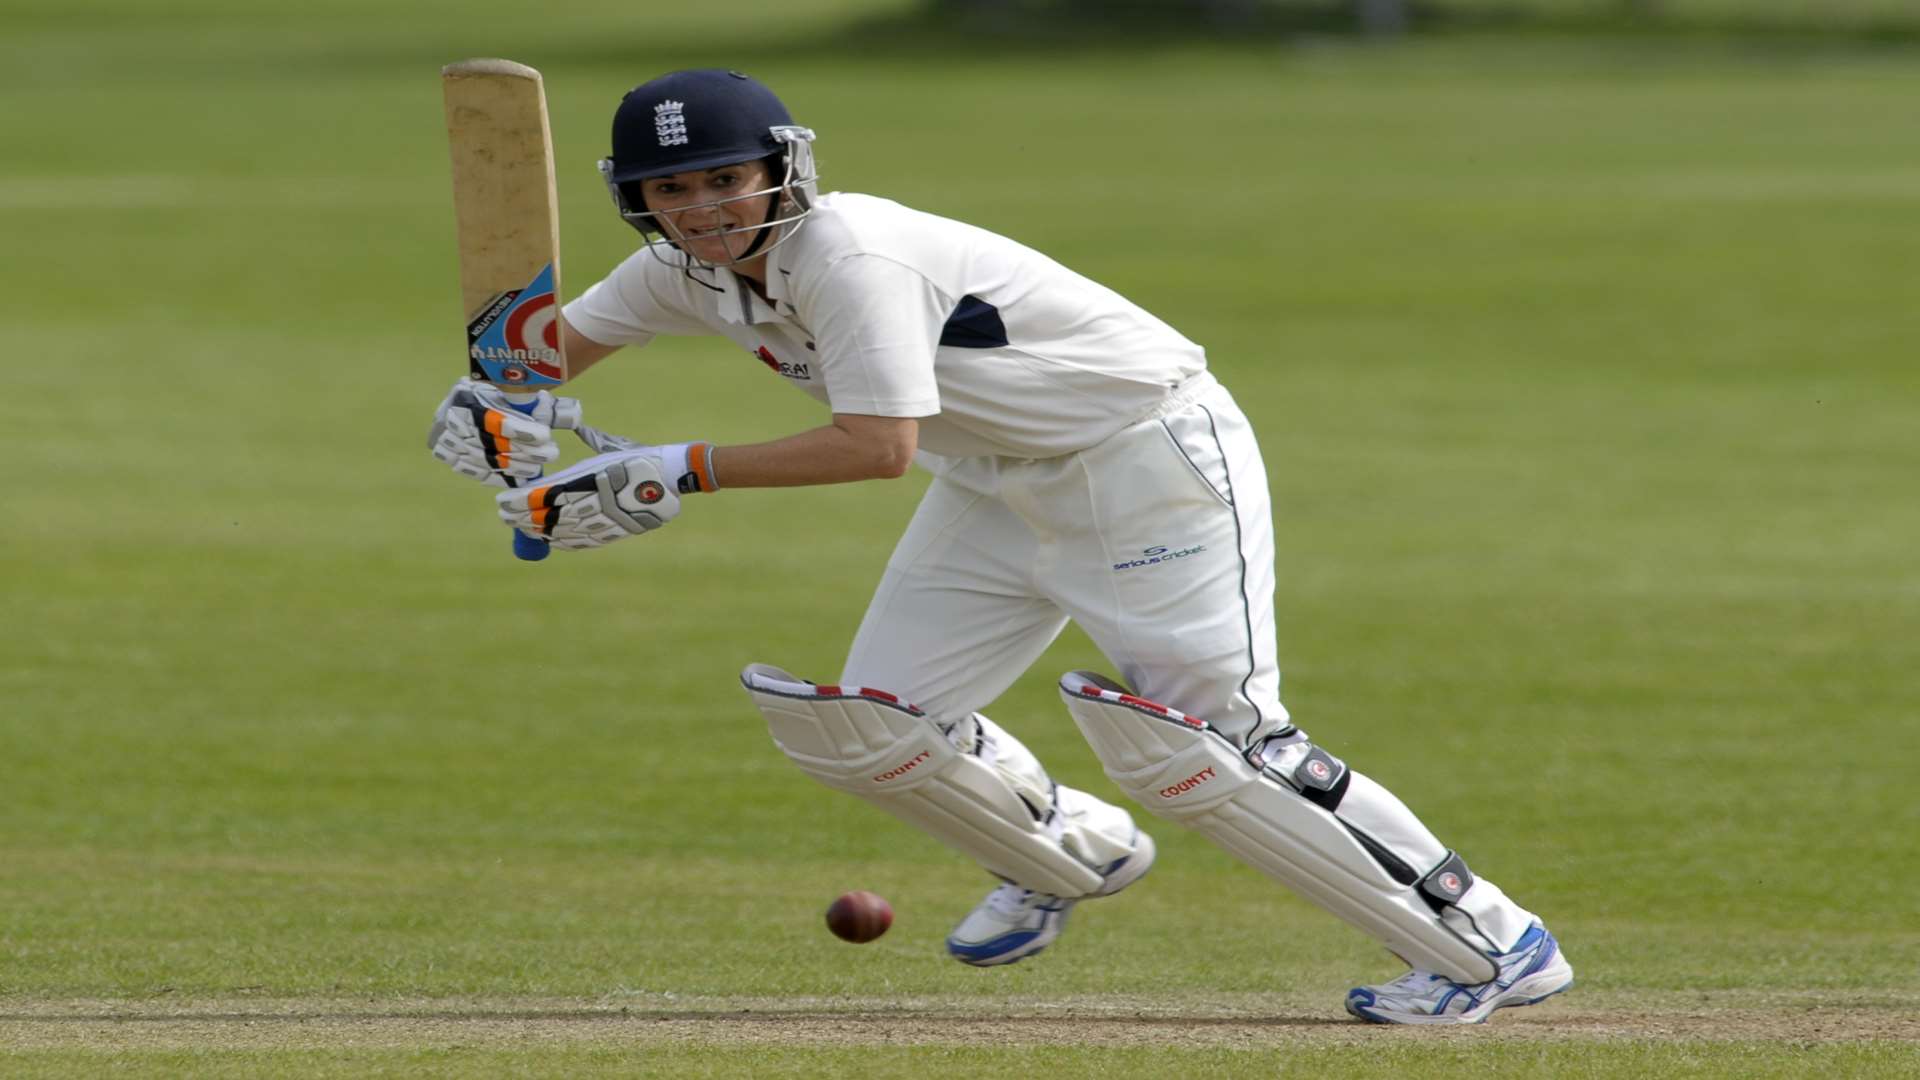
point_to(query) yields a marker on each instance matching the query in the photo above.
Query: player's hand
(479, 435)
(609, 497)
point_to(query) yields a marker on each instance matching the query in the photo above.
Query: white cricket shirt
(880, 310)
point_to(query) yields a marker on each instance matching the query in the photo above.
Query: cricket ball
(859, 916)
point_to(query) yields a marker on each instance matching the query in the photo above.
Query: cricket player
(1086, 466)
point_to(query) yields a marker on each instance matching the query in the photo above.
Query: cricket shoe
(1013, 923)
(1533, 971)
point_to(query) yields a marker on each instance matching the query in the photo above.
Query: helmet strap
(773, 205)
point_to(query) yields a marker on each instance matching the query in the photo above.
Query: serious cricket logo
(1156, 555)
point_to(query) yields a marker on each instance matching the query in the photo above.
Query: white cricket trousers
(1157, 541)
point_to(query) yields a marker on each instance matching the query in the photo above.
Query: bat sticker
(515, 340)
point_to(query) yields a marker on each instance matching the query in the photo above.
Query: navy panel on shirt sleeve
(974, 324)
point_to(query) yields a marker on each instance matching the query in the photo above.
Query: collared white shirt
(880, 310)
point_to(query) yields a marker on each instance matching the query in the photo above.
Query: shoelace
(1014, 900)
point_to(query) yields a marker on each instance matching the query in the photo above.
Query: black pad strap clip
(1445, 884)
(1321, 779)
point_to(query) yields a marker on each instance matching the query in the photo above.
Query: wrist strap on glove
(695, 466)
(691, 464)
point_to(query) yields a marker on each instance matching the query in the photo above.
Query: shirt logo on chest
(781, 367)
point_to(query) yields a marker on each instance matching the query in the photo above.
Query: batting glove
(478, 434)
(609, 497)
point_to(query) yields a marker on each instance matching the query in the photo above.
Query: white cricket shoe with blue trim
(1532, 971)
(1013, 923)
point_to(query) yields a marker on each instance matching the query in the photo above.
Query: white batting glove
(609, 497)
(478, 434)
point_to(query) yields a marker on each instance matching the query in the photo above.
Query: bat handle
(527, 548)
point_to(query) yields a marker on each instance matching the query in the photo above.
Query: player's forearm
(851, 448)
(582, 351)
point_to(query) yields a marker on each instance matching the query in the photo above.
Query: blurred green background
(1581, 345)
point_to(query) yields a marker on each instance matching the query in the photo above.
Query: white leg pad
(1181, 769)
(987, 797)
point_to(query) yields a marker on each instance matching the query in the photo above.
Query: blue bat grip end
(528, 548)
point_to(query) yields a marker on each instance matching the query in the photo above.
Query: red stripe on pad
(833, 691)
(1143, 703)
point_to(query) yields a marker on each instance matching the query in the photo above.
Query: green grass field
(1585, 371)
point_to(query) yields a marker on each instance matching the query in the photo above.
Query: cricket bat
(507, 216)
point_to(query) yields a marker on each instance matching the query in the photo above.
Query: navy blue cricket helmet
(685, 121)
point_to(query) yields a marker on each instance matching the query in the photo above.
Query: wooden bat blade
(507, 218)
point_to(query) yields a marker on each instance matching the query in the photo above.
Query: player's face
(708, 213)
